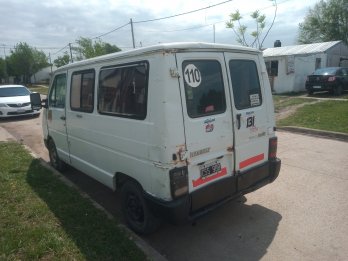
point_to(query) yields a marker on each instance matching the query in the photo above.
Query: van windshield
(204, 88)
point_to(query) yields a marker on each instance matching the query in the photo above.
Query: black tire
(338, 90)
(54, 158)
(310, 92)
(135, 210)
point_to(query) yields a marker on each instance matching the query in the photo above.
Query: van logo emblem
(19, 104)
(209, 126)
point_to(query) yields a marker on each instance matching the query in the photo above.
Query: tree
(62, 60)
(88, 49)
(327, 21)
(25, 61)
(240, 30)
(2, 69)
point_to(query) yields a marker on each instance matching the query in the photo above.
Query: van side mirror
(36, 103)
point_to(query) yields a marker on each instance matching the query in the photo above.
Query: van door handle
(62, 118)
(78, 115)
(238, 120)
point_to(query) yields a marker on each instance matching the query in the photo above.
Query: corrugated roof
(299, 49)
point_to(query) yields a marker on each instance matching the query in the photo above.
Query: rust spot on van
(177, 157)
(230, 149)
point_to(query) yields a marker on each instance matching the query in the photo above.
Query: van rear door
(207, 117)
(250, 117)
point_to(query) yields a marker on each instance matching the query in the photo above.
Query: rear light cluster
(272, 148)
(178, 182)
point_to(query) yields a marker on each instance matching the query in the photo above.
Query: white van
(180, 128)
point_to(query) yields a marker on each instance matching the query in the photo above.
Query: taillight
(272, 148)
(331, 79)
(178, 182)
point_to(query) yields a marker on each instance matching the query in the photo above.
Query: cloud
(55, 23)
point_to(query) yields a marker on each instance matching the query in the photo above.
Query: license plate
(20, 111)
(316, 87)
(210, 169)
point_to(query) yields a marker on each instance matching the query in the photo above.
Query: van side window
(123, 91)
(82, 91)
(204, 88)
(245, 84)
(58, 91)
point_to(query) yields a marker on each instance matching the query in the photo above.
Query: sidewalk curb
(150, 252)
(317, 133)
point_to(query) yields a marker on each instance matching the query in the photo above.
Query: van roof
(164, 47)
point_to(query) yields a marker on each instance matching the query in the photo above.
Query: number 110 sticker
(192, 75)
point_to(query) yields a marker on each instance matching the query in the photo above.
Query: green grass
(42, 89)
(42, 218)
(281, 102)
(325, 115)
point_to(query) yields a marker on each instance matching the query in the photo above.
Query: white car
(15, 101)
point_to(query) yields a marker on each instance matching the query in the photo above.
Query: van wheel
(135, 210)
(54, 158)
(338, 90)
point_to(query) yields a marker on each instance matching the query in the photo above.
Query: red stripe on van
(201, 181)
(252, 160)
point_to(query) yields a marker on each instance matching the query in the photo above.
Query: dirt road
(301, 216)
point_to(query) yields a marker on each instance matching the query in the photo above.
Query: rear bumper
(210, 197)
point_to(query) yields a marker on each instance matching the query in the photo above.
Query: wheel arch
(121, 178)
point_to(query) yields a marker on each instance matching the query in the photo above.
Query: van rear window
(204, 88)
(245, 84)
(123, 91)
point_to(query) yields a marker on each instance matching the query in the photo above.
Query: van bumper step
(198, 203)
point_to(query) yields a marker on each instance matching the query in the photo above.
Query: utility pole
(131, 22)
(70, 53)
(214, 31)
(49, 57)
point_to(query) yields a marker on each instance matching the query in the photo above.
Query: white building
(44, 75)
(289, 66)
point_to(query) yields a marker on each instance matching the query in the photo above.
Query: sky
(50, 25)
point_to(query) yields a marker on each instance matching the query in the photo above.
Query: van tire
(54, 158)
(136, 211)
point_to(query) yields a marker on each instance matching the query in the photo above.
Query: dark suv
(332, 79)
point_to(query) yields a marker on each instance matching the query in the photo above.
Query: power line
(113, 30)
(61, 49)
(201, 26)
(189, 12)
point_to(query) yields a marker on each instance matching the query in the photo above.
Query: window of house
(204, 88)
(272, 68)
(317, 63)
(58, 92)
(245, 84)
(82, 91)
(123, 90)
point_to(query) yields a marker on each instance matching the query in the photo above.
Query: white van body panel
(168, 137)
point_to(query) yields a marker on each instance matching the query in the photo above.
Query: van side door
(56, 116)
(250, 117)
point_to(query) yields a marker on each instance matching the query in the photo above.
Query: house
(289, 66)
(44, 75)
